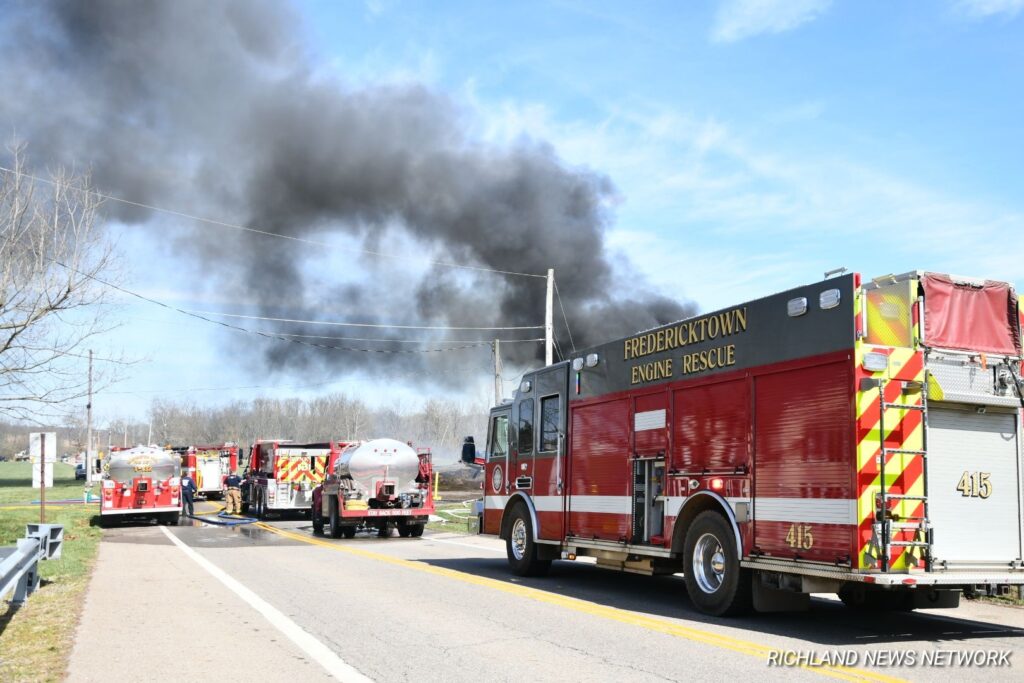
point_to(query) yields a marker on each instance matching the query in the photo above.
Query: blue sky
(754, 144)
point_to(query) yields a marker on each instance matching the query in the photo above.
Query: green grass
(36, 639)
(16, 483)
(454, 515)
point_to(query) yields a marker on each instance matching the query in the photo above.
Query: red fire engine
(850, 437)
(376, 484)
(140, 482)
(209, 466)
(281, 475)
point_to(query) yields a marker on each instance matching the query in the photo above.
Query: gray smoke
(215, 108)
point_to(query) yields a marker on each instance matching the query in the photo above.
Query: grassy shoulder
(36, 640)
(452, 517)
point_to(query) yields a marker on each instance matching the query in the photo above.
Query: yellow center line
(613, 613)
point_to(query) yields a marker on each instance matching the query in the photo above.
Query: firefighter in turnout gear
(188, 493)
(234, 494)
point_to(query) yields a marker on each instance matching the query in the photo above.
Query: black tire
(403, 529)
(716, 583)
(520, 546)
(348, 531)
(261, 505)
(862, 599)
(384, 531)
(318, 521)
(334, 520)
(173, 518)
(416, 530)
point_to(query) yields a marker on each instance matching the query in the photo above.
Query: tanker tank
(367, 464)
(142, 461)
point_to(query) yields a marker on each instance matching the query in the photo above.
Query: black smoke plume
(216, 108)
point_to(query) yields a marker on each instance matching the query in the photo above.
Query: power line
(377, 325)
(267, 233)
(564, 319)
(410, 341)
(268, 335)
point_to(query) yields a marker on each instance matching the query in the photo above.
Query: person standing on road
(188, 494)
(234, 494)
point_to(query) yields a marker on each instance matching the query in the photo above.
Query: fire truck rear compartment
(973, 490)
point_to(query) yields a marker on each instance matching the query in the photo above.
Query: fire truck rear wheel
(348, 531)
(334, 520)
(318, 521)
(520, 546)
(716, 583)
(403, 529)
(416, 530)
(863, 599)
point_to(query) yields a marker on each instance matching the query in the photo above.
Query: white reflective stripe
(673, 504)
(495, 502)
(818, 510)
(614, 504)
(649, 419)
(548, 503)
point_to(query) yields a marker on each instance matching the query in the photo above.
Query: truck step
(916, 526)
(900, 496)
(904, 451)
(910, 544)
(902, 406)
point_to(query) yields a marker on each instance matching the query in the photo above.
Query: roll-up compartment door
(973, 493)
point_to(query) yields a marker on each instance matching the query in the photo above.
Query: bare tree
(52, 249)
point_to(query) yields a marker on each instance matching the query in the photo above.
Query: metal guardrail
(19, 566)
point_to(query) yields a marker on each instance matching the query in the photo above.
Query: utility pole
(88, 429)
(498, 392)
(42, 477)
(549, 328)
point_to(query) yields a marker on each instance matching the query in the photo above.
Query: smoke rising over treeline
(217, 109)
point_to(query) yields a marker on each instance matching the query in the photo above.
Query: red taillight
(717, 484)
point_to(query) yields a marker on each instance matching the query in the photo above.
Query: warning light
(717, 484)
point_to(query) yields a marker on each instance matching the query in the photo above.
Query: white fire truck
(281, 475)
(859, 437)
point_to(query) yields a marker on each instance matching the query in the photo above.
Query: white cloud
(722, 215)
(987, 8)
(739, 19)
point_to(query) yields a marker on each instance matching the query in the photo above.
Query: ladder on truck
(920, 524)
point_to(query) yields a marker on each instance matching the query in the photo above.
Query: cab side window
(549, 424)
(526, 427)
(499, 437)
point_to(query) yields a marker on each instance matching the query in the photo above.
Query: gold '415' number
(975, 485)
(800, 537)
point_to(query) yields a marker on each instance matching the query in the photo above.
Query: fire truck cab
(849, 436)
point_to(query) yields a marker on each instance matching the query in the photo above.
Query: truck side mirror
(468, 451)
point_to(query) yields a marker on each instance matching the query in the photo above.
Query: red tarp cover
(970, 317)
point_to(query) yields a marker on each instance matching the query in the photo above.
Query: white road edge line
(466, 545)
(316, 650)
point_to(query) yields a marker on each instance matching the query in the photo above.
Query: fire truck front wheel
(716, 583)
(520, 546)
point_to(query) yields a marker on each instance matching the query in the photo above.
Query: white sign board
(35, 474)
(35, 445)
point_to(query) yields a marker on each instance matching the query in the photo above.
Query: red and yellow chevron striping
(301, 468)
(903, 472)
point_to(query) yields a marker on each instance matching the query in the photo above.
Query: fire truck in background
(209, 466)
(281, 475)
(849, 436)
(140, 483)
(377, 484)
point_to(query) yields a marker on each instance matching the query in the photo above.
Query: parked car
(79, 470)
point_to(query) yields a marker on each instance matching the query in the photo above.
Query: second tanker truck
(375, 485)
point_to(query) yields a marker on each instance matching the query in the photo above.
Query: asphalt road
(445, 608)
